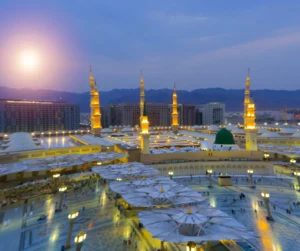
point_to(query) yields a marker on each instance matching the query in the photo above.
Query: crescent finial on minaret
(248, 72)
(174, 86)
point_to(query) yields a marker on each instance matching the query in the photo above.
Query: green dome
(224, 137)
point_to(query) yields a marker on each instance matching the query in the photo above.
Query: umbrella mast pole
(162, 246)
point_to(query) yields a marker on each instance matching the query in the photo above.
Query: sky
(195, 43)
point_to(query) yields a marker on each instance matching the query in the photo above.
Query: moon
(29, 60)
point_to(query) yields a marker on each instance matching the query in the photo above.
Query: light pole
(297, 174)
(55, 177)
(266, 197)
(79, 239)
(191, 246)
(171, 174)
(210, 178)
(266, 156)
(250, 173)
(71, 217)
(293, 162)
(61, 191)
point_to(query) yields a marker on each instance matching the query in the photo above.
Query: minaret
(95, 107)
(249, 119)
(142, 97)
(145, 135)
(175, 112)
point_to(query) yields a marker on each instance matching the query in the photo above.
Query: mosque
(170, 150)
(182, 150)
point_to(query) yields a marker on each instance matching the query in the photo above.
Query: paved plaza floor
(106, 228)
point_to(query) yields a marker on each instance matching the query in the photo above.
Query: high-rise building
(129, 114)
(249, 119)
(108, 115)
(210, 114)
(33, 116)
(95, 107)
(188, 115)
(160, 114)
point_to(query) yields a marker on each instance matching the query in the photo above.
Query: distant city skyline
(196, 45)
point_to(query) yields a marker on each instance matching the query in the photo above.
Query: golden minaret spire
(142, 96)
(247, 95)
(249, 118)
(175, 124)
(145, 135)
(95, 106)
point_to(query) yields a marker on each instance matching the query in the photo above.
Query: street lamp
(250, 173)
(191, 246)
(171, 174)
(55, 177)
(266, 156)
(266, 197)
(210, 178)
(61, 191)
(297, 174)
(79, 239)
(71, 217)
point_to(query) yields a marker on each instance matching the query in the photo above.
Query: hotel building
(30, 116)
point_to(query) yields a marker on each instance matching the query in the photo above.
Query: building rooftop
(23, 101)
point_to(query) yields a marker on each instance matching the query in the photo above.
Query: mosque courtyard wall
(201, 156)
(196, 163)
(46, 153)
(224, 167)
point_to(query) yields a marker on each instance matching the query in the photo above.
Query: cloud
(195, 40)
(177, 18)
(157, 64)
(256, 46)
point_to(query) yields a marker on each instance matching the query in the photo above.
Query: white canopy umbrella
(129, 185)
(162, 195)
(197, 224)
(127, 171)
(53, 163)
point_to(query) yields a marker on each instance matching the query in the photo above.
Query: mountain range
(233, 98)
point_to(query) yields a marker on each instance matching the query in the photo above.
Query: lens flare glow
(29, 60)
